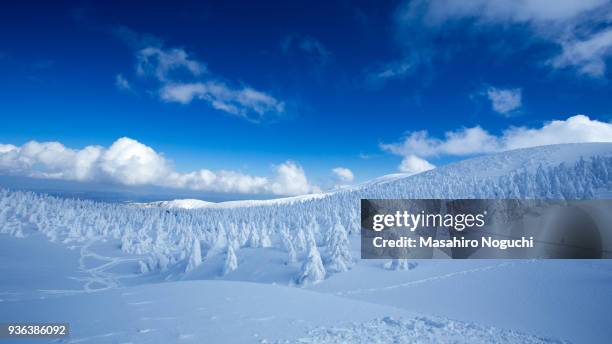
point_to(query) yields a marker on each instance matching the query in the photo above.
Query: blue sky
(249, 88)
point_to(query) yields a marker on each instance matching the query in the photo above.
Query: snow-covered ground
(288, 270)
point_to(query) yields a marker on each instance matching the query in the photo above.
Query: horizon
(117, 193)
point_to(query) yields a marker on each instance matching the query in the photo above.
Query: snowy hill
(187, 203)
(485, 168)
(198, 204)
(96, 252)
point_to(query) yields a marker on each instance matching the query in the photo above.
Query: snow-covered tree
(312, 271)
(231, 261)
(399, 264)
(300, 241)
(161, 261)
(313, 226)
(286, 239)
(264, 239)
(243, 233)
(354, 221)
(222, 236)
(195, 257)
(144, 268)
(166, 237)
(254, 239)
(339, 259)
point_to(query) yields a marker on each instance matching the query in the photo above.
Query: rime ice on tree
(231, 261)
(340, 259)
(312, 271)
(195, 258)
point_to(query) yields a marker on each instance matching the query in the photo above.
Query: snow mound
(187, 203)
(199, 204)
(421, 330)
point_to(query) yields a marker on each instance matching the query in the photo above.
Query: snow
(286, 270)
(177, 203)
(340, 259)
(231, 262)
(239, 312)
(418, 330)
(198, 204)
(313, 271)
(195, 257)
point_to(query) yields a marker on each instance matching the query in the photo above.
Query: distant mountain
(187, 203)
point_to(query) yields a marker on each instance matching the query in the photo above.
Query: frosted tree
(231, 261)
(312, 271)
(254, 239)
(144, 268)
(339, 259)
(286, 239)
(265, 240)
(354, 221)
(126, 243)
(232, 235)
(162, 261)
(300, 241)
(313, 226)
(399, 264)
(243, 233)
(195, 257)
(166, 237)
(222, 236)
(331, 227)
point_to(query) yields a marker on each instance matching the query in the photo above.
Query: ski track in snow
(428, 279)
(97, 274)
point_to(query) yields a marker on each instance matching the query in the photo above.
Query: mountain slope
(94, 249)
(480, 168)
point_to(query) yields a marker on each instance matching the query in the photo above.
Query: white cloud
(309, 45)
(221, 97)
(222, 181)
(290, 179)
(504, 101)
(181, 93)
(161, 62)
(508, 11)
(579, 27)
(465, 141)
(6, 148)
(122, 83)
(394, 70)
(181, 78)
(475, 140)
(391, 70)
(412, 164)
(49, 160)
(579, 128)
(587, 55)
(130, 162)
(343, 174)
